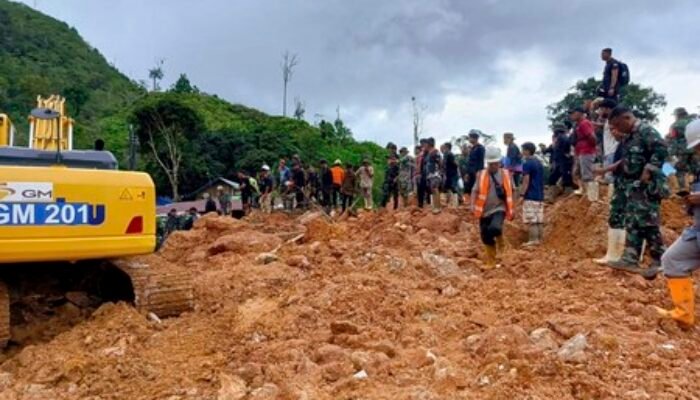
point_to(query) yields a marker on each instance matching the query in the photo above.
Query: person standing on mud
(406, 172)
(585, 150)
(683, 257)
(326, 179)
(643, 154)
(677, 146)
(476, 160)
(420, 178)
(618, 202)
(338, 173)
(265, 183)
(533, 195)
(514, 160)
(433, 173)
(451, 173)
(562, 162)
(299, 182)
(493, 203)
(390, 189)
(224, 200)
(366, 175)
(347, 189)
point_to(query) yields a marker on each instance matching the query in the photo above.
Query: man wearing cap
(562, 162)
(514, 160)
(585, 151)
(493, 202)
(643, 153)
(265, 184)
(406, 172)
(678, 148)
(683, 257)
(366, 175)
(224, 200)
(475, 162)
(338, 173)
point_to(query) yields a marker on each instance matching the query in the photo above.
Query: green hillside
(41, 56)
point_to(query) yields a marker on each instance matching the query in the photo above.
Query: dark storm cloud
(367, 55)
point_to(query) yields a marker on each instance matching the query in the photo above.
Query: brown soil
(379, 306)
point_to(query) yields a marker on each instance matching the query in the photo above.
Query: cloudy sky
(487, 64)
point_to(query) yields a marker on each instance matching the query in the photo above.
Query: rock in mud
(543, 339)
(574, 349)
(344, 327)
(232, 388)
(266, 258)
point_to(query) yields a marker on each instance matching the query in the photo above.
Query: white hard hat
(493, 154)
(692, 133)
(265, 167)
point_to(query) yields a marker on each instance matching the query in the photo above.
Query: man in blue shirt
(532, 191)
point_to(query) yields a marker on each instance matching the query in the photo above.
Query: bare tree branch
(289, 61)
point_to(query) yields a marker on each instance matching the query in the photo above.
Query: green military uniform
(406, 169)
(643, 148)
(618, 201)
(678, 148)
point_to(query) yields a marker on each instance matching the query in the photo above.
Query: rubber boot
(454, 200)
(653, 270)
(435, 202)
(592, 190)
(500, 245)
(616, 246)
(533, 233)
(683, 296)
(581, 189)
(489, 257)
(540, 233)
(611, 191)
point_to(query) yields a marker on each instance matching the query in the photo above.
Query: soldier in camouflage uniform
(678, 147)
(406, 170)
(642, 155)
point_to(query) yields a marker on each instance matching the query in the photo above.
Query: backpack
(624, 76)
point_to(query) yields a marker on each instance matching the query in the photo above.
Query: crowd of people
(601, 143)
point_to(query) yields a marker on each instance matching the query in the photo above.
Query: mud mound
(576, 227)
(389, 305)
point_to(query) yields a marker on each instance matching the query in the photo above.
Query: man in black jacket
(562, 162)
(476, 160)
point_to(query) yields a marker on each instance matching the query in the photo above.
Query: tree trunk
(284, 100)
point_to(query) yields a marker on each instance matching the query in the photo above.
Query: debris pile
(387, 305)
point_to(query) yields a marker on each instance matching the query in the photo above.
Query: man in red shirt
(585, 151)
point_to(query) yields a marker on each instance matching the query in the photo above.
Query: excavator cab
(61, 204)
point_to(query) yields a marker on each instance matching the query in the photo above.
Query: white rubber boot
(619, 241)
(613, 239)
(592, 190)
(616, 246)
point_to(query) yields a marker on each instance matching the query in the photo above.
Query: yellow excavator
(58, 204)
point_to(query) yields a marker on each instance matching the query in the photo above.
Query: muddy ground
(379, 306)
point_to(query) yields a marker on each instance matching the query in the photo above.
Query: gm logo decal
(26, 192)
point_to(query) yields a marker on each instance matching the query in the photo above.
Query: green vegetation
(217, 138)
(41, 56)
(644, 101)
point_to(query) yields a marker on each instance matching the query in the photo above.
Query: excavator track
(4, 315)
(160, 287)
